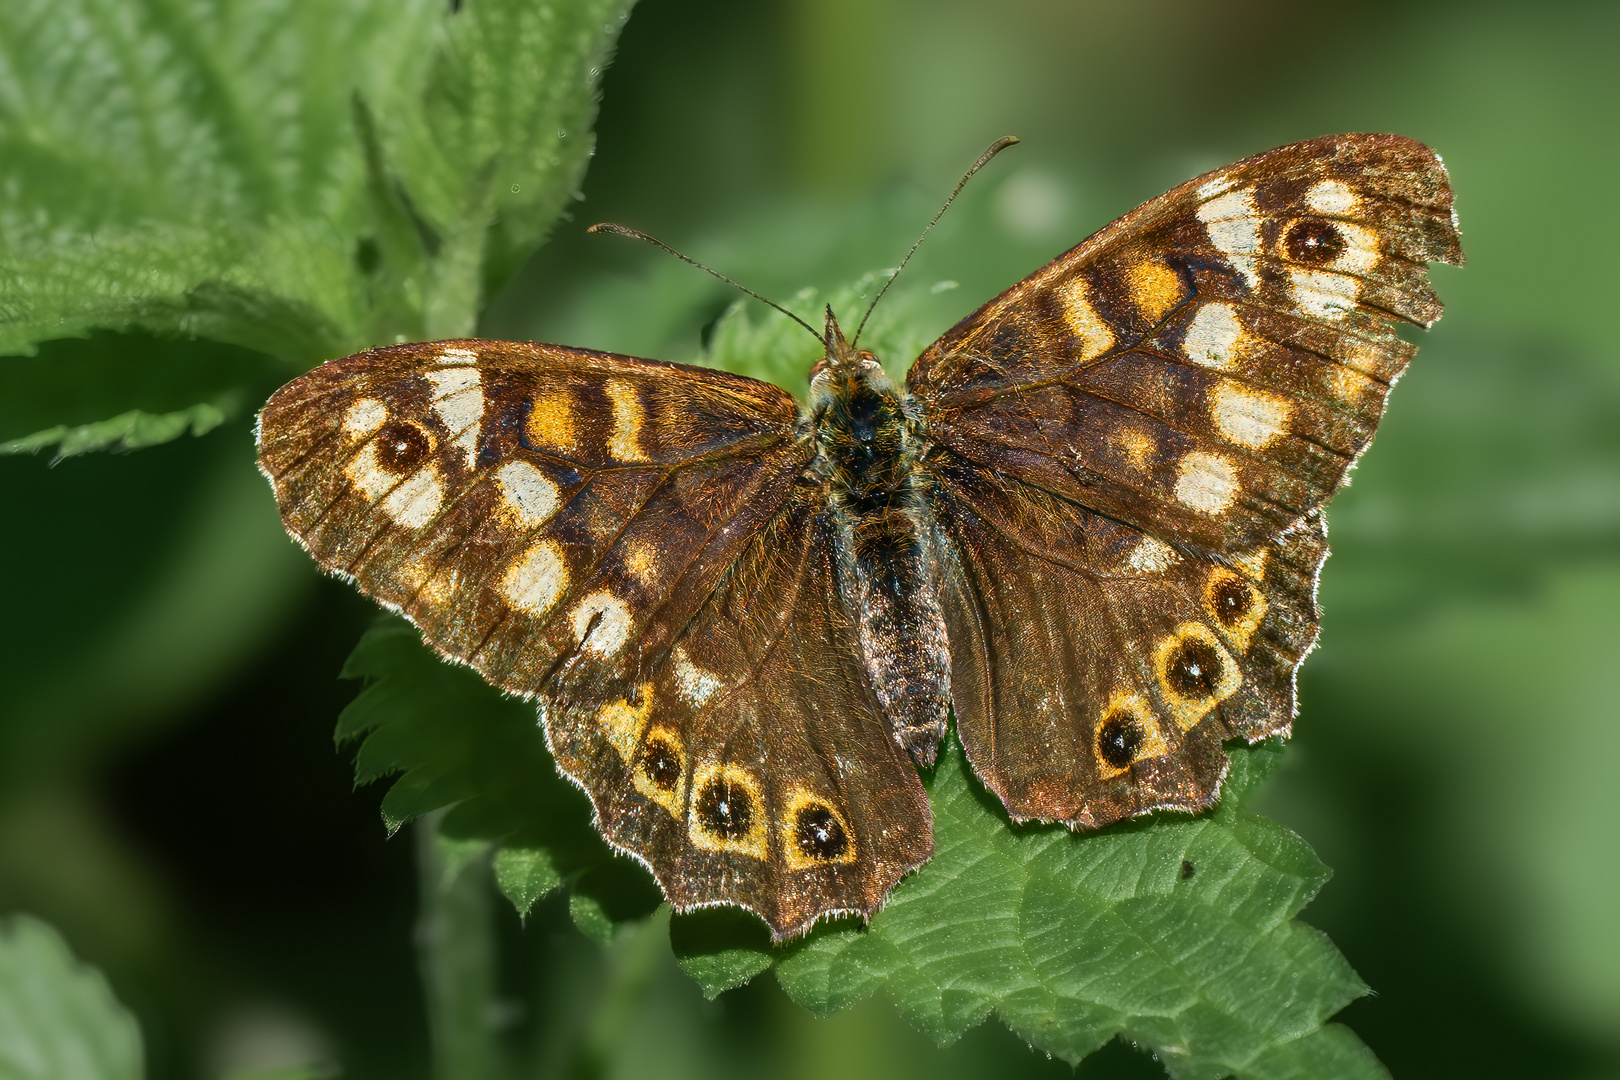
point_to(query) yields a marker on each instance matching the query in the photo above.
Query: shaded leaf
(524, 875)
(453, 741)
(127, 431)
(58, 1017)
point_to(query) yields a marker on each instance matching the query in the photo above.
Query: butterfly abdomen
(887, 570)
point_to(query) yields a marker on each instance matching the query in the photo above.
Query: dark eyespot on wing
(818, 833)
(1194, 669)
(724, 809)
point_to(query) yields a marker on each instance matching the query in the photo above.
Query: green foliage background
(169, 796)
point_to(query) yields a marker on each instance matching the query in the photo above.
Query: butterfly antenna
(636, 234)
(984, 159)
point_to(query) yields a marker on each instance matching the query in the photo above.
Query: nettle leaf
(58, 1017)
(1175, 933)
(451, 740)
(126, 431)
(227, 170)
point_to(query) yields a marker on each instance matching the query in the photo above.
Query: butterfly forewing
(519, 502)
(1132, 450)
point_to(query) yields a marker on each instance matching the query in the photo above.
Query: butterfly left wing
(1133, 447)
(636, 545)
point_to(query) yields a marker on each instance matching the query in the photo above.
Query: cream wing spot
(1323, 293)
(364, 417)
(366, 473)
(536, 579)
(1248, 417)
(1095, 336)
(624, 441)
(458, 400)
(1233, 224)
(1151, 556)
(455, 354)
(697, 685)
(528, 492)
(416, 499)
(1207, 482)
(1332, 197)
(1214, 336)
(1362, 250)
(601, 622)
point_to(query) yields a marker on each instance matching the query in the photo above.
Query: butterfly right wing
(1131, 452)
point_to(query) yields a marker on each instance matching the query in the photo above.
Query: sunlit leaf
(1175, 933)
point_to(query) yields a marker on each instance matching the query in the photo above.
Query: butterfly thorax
(867, 446)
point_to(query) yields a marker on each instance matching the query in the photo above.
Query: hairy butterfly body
(1089, 526)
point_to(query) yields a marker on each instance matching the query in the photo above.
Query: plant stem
(456, 951)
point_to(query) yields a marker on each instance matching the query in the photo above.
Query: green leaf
(496, 145)
(228, 170)
(1074, 940)
(454, 741)
(722, 948)
(127, 431)
(58, 1017)
(524, 875)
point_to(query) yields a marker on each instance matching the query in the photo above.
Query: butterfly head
(842, 367)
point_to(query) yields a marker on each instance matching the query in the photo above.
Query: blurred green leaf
(58, 1018)
(524, 875)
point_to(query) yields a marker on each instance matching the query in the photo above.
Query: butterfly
(1089, 526)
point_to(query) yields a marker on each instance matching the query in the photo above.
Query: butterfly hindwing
(746, 765)
(1135, 444)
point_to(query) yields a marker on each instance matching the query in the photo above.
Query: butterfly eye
(818, 834)
(401, 448)
(1314, 241)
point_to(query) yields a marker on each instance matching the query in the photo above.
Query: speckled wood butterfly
(1089, 525)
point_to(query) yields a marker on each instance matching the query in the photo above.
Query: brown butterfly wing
(607, 534)
(1131, 451)
(750, 767)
